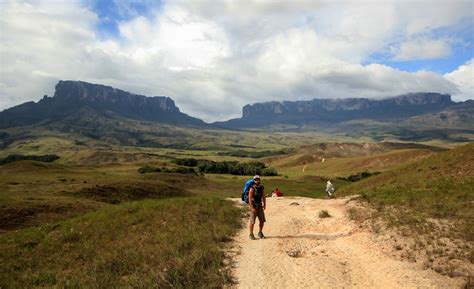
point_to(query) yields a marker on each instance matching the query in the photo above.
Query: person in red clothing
(277, 193)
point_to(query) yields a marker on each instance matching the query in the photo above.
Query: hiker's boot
(260, 235)
(251, 237)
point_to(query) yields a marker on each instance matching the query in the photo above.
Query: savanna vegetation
(441, 186)
(97, 227)
(14, 158)
(114, 212)
(431, 200)
(169, 243)
(227, 167)
(359, 176)
(255, 154)
(178, 170)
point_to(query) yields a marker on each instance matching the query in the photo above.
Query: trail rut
(304, 251)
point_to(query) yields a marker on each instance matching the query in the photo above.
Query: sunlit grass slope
(440, 186)
(169, 243)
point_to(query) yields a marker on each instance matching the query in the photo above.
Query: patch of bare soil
(434, 242)
(304, 250)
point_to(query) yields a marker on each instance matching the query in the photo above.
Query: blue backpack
(245, 193)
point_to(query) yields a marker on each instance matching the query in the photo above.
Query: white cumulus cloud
(423, 49)
(213, 57)
(463, 78)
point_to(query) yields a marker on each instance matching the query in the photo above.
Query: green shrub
(148, 169)
(14, 158)
(178, 170)
(227, 167)
(184, 170)
(269, 172)
(359, 176)
(188, 162)
(254, 154)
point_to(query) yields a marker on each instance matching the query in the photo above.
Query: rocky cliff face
(338, 110)
(82, 93)
(420, 101)
(71, 96)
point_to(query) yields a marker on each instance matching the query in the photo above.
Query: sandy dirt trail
(328, 252)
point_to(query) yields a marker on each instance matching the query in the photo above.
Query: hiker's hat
(256, 177)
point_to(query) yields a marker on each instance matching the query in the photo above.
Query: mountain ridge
(459, 115)
(85, 107)
(339, 110)
(71, 96)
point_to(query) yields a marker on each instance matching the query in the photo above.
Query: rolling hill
(439, 186)
(430, 206)
(460, 115)
(339, 159)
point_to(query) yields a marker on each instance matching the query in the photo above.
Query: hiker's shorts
(259, 213)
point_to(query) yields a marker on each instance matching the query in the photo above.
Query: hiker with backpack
(330, 190)
(254, 196)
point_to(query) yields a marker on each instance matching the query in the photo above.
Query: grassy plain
(91, 220)
(169, 243)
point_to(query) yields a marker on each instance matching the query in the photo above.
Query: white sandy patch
(327, 252)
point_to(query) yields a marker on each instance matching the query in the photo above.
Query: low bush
(188, 162)
(148, 169)
(227, 167)
(254, 154)
(14, 158)
(359, 176)
(178, 170)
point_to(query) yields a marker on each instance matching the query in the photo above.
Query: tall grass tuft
(324, 214)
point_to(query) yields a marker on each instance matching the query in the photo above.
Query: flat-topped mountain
(72, 96)
(332, 111)
(107, 114)
(459, 115)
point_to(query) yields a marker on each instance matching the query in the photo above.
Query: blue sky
(462, 50)
(213, 57)
(113, 12)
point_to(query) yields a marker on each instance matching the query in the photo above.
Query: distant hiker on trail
(330, 189)
(277, 193)
(257, 205)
